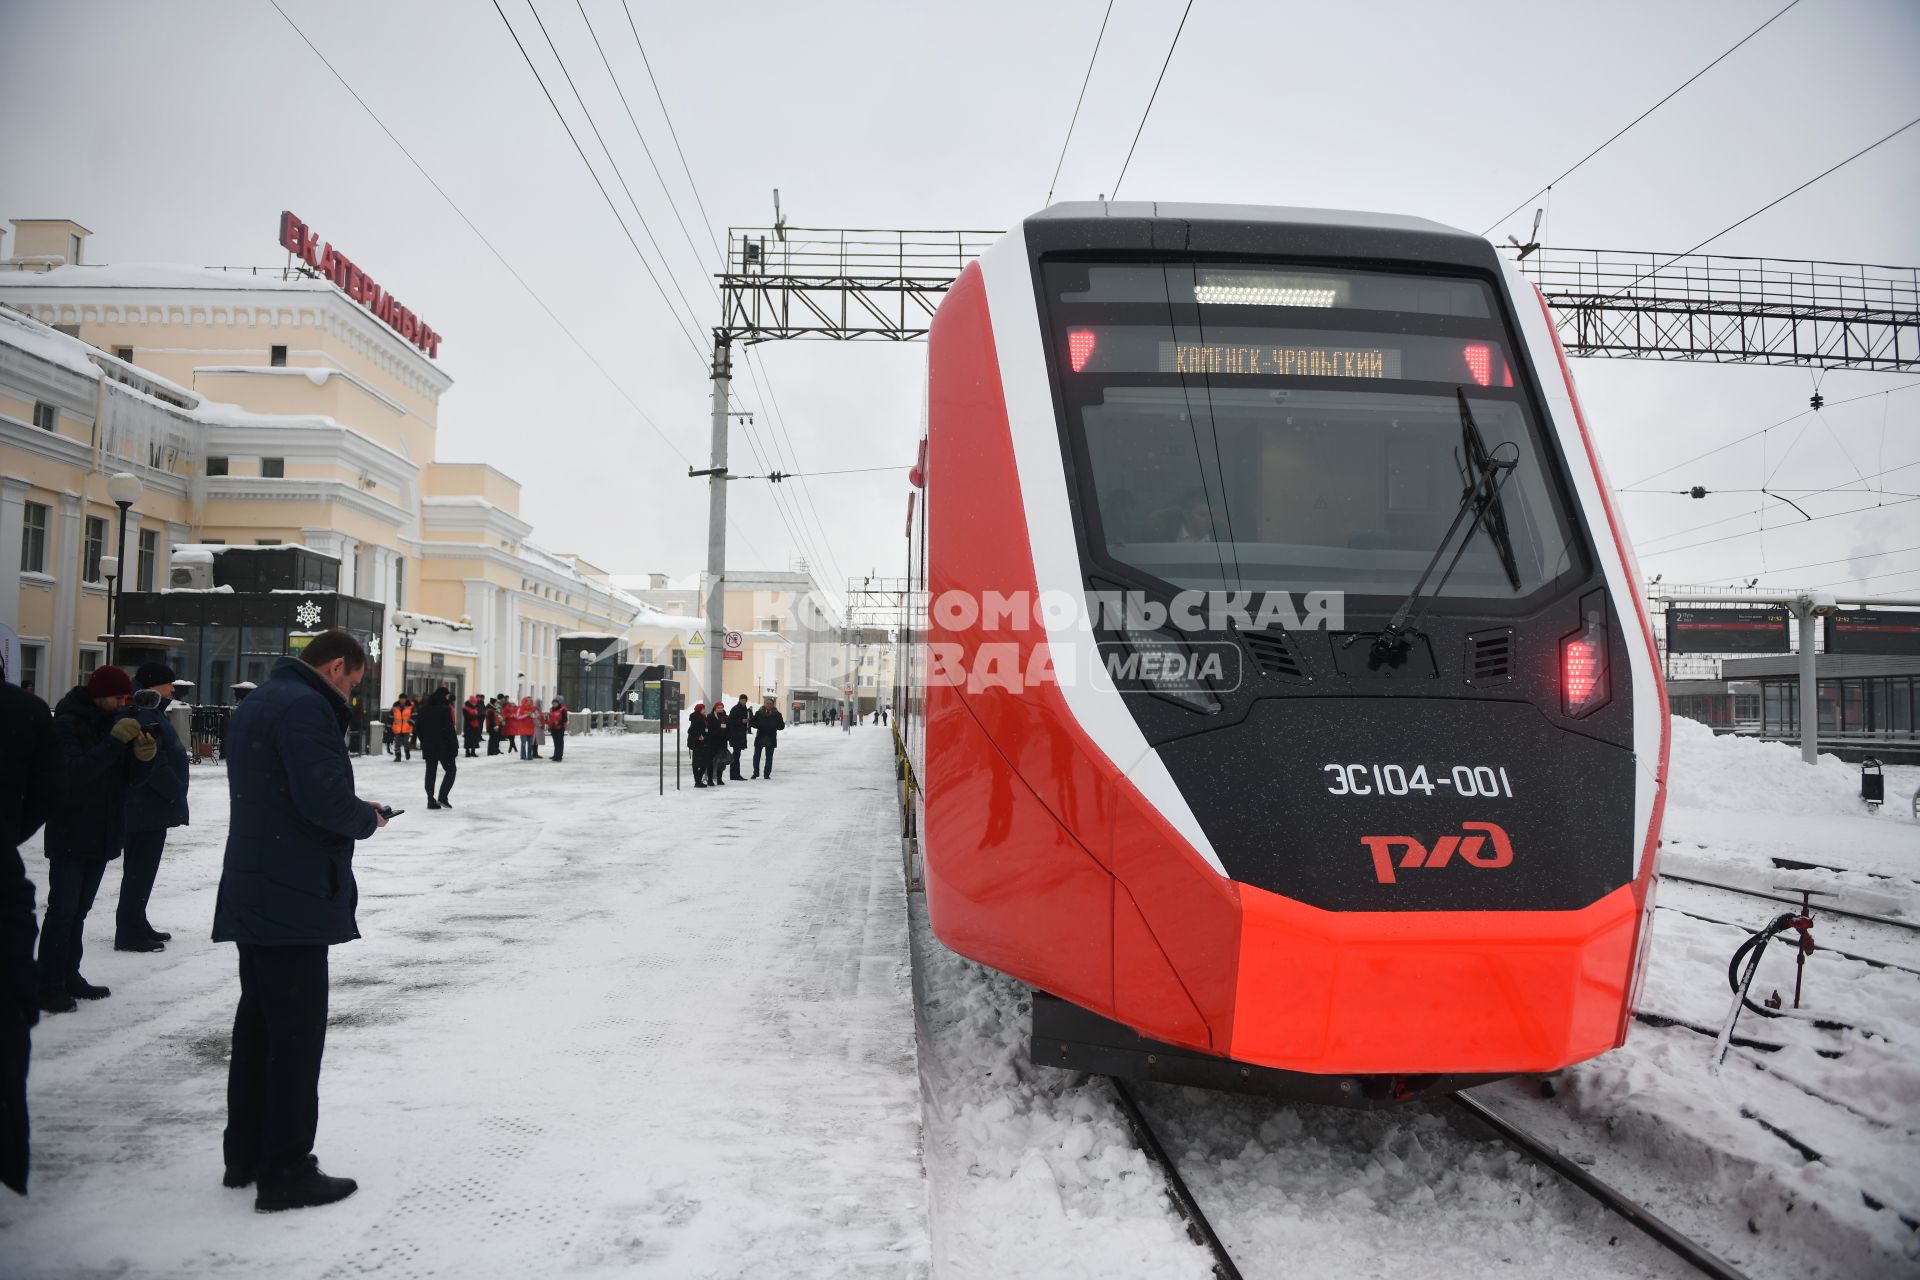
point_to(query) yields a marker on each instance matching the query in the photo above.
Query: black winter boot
(300, 1186)
(80, 988)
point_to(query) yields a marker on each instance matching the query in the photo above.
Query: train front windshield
(1257, 427)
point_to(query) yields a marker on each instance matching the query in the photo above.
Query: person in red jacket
(557, 727)
(521, 719)
(473, 716)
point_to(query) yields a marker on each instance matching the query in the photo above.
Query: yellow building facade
(256, 409)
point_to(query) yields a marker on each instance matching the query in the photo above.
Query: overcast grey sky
(178, 131)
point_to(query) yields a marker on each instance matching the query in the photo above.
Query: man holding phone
(287, 894)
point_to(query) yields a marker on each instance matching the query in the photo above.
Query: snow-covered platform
(589, 1031)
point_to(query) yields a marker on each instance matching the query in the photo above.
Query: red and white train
(1285, 713)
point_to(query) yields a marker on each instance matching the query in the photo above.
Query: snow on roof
(193, 552)
(156, 275)
(36, 339)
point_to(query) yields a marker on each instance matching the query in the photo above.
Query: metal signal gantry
(798, 282)
(1712, 307)
(801, 282)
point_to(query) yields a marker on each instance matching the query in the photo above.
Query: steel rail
(1189, 1208)
(1688, 1250)
(1793, 902)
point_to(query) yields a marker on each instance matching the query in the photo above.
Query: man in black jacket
(767, 724)
(737, 720)
(155, 802)
(104, 750)
(31, 780)
(286, 895)
(433, 725)
(697, 743)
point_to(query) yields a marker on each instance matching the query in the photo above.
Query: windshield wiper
(1484, 475)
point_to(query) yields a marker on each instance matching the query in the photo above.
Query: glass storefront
(1853, 707)
(232, 637)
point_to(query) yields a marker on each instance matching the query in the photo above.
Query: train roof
(1251, 228)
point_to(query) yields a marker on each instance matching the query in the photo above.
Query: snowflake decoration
(307, 615)
(373, 648)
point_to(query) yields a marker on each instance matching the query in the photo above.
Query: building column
(68, 564)
(13, 526)
(349, 565)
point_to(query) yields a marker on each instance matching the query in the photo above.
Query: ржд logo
(1471, 845)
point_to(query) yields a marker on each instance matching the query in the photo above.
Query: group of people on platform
(717, 738)
(107, 776)
(440, 730)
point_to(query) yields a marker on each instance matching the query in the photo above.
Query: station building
(292, 410)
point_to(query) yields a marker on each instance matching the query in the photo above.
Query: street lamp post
(406, 634)
(110, 570)
(125, 489)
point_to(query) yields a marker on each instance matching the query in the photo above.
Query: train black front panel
(1412, 804)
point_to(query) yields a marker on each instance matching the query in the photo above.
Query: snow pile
(1030, 1171)
(1746, 775)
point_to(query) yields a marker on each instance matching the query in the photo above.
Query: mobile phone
(389, 812)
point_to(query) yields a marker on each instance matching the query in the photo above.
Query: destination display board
(1880, 631)
(1762, 629)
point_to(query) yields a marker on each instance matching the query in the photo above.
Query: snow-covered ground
(594, 1031)
(589, 1031)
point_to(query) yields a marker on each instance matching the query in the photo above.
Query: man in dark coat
(155, 803)
(31, 781)
(433, 725)
(104, 750)
(287, 894)
(697, 742)
(767, 724)
(737, 720)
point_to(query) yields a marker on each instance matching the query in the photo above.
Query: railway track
(1820, 909)
(1683, 1247)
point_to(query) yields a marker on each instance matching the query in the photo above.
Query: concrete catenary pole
(717, 521)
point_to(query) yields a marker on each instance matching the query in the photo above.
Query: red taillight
(1583, 670)
(1480, 362)
(1583, 660)
(1079, 348)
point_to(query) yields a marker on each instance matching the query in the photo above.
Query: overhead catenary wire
(1811, 564)
(1831, 404)
(1710, 492)
(1832, 169)
(481, 236)
(1748, 515)
(619, 175)
(1748, 533)
(671, 131)
(761, 378)
(1084, 81)
(637, 133)
(1151, 97)
(1494, 225)
(794, 532)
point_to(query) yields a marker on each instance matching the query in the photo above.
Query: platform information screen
(1879, 631)
(1755, 630)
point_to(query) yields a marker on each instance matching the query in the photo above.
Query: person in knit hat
(104, 751)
